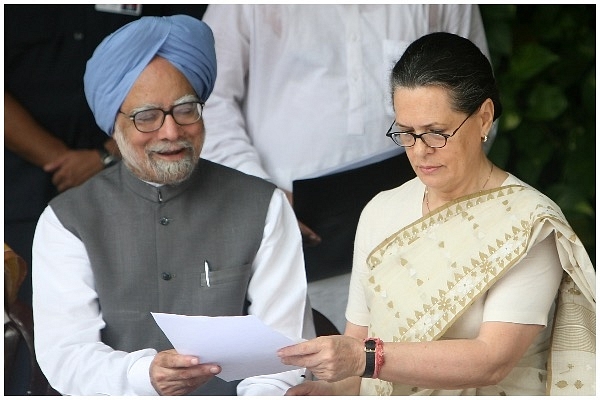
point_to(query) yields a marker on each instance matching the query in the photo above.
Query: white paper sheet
(243, 345)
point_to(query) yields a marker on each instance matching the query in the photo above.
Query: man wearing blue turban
(123, 55)
(162, 231)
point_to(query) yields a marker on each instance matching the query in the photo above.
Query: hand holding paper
(242, 345)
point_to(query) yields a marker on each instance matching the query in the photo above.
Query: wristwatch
(107, 158)
(370, 349)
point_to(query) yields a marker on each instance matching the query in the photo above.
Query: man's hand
(73, 168)
(173, 374)
(311, 388)
(309, 237)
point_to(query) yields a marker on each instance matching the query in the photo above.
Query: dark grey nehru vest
(147, 248)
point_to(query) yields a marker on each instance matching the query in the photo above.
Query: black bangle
(370, 359)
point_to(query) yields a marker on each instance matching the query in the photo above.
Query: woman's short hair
(451, 62)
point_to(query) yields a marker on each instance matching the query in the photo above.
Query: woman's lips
(428, 169)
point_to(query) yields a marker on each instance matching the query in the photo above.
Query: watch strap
(106, 158)
(370, 349)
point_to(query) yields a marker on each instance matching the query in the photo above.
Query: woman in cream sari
(466, 280)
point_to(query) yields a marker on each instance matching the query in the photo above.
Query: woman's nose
(421, 148)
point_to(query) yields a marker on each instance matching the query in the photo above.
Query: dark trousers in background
(331, 206)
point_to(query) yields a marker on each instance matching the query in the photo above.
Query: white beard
(154, 170)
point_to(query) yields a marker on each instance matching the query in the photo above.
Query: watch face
(107, 158)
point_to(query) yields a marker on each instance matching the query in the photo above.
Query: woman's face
(454, 168)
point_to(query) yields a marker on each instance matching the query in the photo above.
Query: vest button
(167, 276)
(164, 221)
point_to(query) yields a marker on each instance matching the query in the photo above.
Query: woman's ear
(486, 117)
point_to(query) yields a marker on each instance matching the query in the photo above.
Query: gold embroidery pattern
(574, 343)
(465, 279)
(571, 332)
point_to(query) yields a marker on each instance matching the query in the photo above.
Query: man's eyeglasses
(434, 139)
(152, 119)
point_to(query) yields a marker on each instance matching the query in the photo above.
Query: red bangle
(379, 360)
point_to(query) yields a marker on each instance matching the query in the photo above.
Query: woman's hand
(329, 358)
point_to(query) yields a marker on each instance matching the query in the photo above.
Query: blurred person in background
(300, 100)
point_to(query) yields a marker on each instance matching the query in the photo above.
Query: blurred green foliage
(544, 60)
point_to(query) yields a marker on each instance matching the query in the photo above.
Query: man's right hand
(311, 388)
(174, 374)
(309, 237)
(73, 168)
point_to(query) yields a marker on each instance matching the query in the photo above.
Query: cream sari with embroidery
(472, 242)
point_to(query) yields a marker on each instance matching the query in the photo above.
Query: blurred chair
(323, 326)
(18, 326)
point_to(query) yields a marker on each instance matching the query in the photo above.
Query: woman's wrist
(374, 357)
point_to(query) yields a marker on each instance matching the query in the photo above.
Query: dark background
(544, 57)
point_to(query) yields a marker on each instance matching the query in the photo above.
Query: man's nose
(170, 129)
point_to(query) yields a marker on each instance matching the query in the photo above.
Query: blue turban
(118, 61)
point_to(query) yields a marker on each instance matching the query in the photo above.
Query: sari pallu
(425, 276)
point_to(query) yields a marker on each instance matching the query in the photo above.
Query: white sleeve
(525, 294)
(278, 291)
(464, 20)
(68, 320)
(357, 311)
(227, 141)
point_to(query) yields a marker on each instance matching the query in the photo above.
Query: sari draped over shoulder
(425, 276)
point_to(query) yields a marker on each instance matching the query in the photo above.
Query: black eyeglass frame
(392, 135)
(165, 113)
